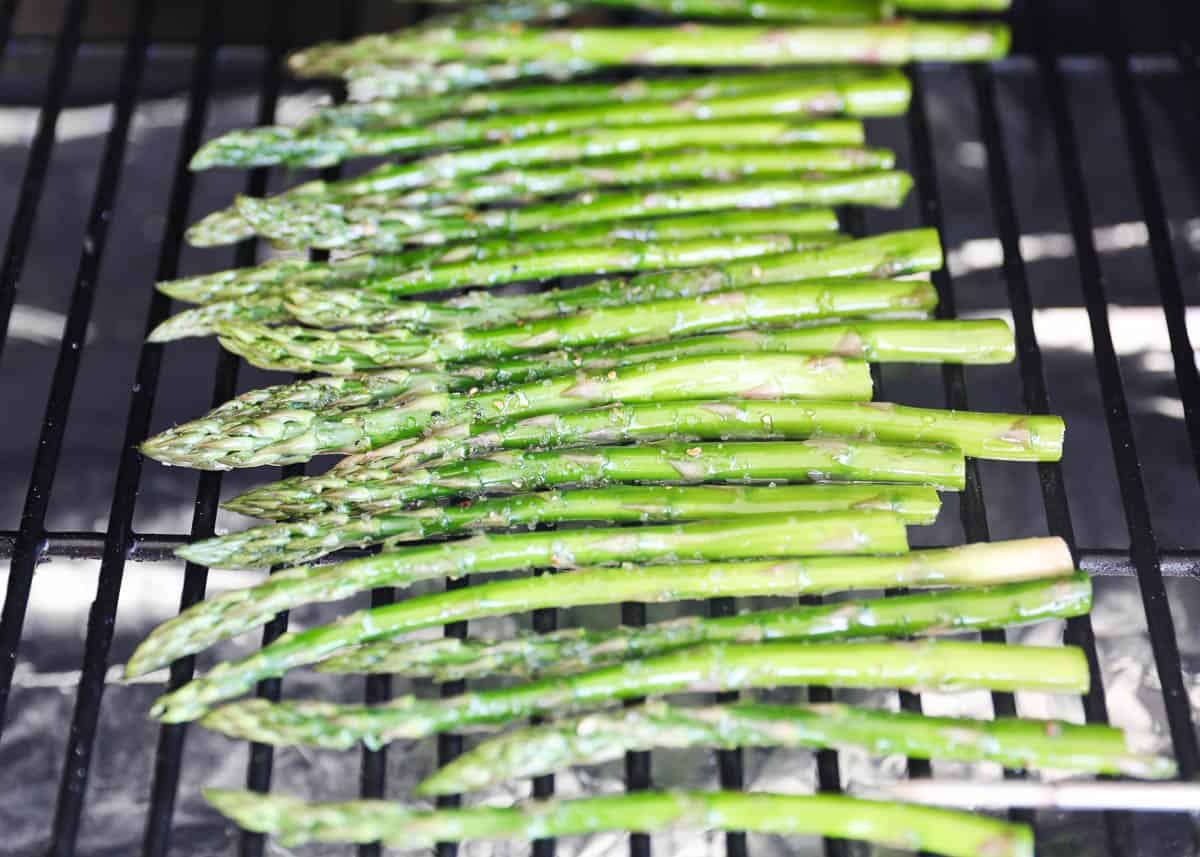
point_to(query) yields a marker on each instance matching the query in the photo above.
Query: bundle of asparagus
(706, 408)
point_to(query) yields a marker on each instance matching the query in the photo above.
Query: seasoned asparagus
(299, 221)
(407, 112)
(304, 349)
(226, 227)
(293, 543)
(890, 43)
(923, 665)
(602, 736)
(956, 834)
(231, 613)
(275, 145)
(1005, 437)
(215, 442)
(577, 650)
(814, 460)
(819, 223)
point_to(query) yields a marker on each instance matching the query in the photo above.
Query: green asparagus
(890, 43)
(297, 434)
(711, 667)
(1005, 437)
(603, 736)
(312, 223)
(276, 145)
(227, 227)
(303, 349)
(407, 112)
(276, 274)
(949, 832)
(231, 613)
(577, 649)
(293, 543)
(819, 459)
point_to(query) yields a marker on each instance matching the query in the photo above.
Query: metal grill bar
(1143, 544)
(168, 757)
(1036, 398)
(45, 462)
(1149, 194)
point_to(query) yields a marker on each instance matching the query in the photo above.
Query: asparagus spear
(231, 613)
(817, 460)
(303, 349)
(274, 145)
(637, 255)
(603, 736)
(577, 650)
(227, 227)
(302, 222)
(710, 667)
(275, 437)
(979, 564)
(1006, 437)
(276, 274)
(649, 168)
(712, 164)
(950, 832)
(370, 81)
(312, 538)
(859, 84)
(891, 43)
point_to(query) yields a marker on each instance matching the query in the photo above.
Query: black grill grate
(1038, 30)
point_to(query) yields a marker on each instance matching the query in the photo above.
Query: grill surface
(1066, 189)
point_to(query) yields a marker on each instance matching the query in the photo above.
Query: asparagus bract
(603, 736)
(577, 650)
(314, 223)
(711, 667)
(292, 543)
(231, 613)
(273, 437)
(274, 145)
(957, 834)
(890, 43)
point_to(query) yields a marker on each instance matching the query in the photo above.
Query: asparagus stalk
(277, 274)
(815, 460)
(227, 227)
(710, 667)
(603, 736)
(804, 12)
(870, 90)
(1005, 437)
(303, 222)
(275, 437)
(303, 349)
(293, 543)
(229, 614)
(275, 145)
(980, 564)
(578, 650)
(637, 255)
(950, 832)
(371, 81)
(711, 164)
(891, 43)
